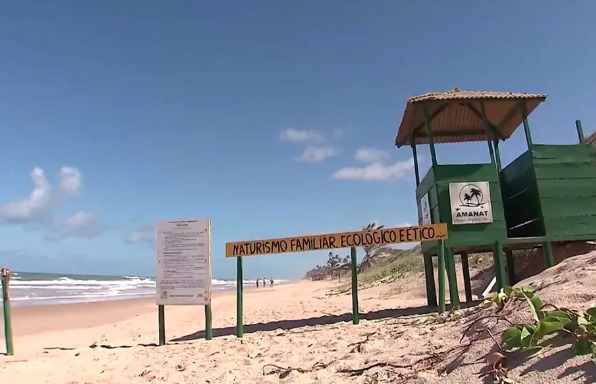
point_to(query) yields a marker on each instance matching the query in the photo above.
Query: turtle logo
(471, 196)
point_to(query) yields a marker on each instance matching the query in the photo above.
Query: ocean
(48, 288)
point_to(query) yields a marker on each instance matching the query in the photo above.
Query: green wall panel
(521, 203)
(563, 171)
(552, 188)
(436, 183)
(566, 180)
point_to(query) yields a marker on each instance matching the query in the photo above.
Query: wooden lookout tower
(546, 195)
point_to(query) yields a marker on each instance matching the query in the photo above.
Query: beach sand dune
(295, 333)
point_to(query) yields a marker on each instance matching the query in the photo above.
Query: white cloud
(301, 136)
(371, 155)
(33, 206)
(143, 235)
(317, 153)
(37, 209)
(377, 171)
(69, 181)
(81, 224)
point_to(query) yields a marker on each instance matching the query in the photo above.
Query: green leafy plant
(506, 294)
(577, 326)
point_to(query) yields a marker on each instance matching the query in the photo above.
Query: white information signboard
(470, 203)
(184, 262)
(425, 210)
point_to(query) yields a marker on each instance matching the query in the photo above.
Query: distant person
(257, 283)
(271, 281)
(264, 283)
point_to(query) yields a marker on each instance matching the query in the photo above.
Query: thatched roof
(456, 116)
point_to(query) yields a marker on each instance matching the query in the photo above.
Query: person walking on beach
(257, 283)
(264, 283)
(271, 282)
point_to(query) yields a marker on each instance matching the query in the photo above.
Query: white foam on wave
(65, 289)
(65, 281)
(32, 300)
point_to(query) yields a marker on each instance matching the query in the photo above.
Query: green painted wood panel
(456, 173)
(555, 184)
(570, 188)
(564, 171)
(563, 153)
(436, 184)
(569, 207)
(571, 227)
(521, 202)
(427, 185)
(566, 180)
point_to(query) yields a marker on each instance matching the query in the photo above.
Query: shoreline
(19, 302)
(84, 315)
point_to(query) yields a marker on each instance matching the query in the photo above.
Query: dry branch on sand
(283, 372)
(426, 363)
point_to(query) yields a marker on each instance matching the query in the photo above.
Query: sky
(273, 118)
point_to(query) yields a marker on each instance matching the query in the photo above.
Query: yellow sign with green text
(337, 240)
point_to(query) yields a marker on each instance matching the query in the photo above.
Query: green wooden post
(489, 133)
(355, 310)
(441, 257)
(498, 155)
(6, 311)
(580, 131)
(491, 152)
(429, 276)
(416, 170)
(547, 249)
(499, 267)
(161, 320)
(429, 132)
(524, 113)
(452, 277)
(465, 265)
(208, 322)
(510, 266)
(239, 298)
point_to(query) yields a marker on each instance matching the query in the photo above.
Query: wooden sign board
(337, 240)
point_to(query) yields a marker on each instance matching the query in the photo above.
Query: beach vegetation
(397, 265)
(574, 327)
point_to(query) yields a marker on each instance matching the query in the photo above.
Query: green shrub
(576, 326)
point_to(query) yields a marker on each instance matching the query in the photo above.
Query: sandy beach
(295, 333)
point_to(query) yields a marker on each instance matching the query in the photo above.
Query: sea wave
(126, 280)
(35, 289)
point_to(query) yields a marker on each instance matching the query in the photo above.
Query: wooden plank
(577, 160)
(564, 152)
(525, 240)
(307, 243)
(564, 171)
(571, 227)
(567, 187)
(427, 182)
(466, 273)
(569, 207)
(455, 173)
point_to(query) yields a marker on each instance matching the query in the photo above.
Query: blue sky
(274, 118)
